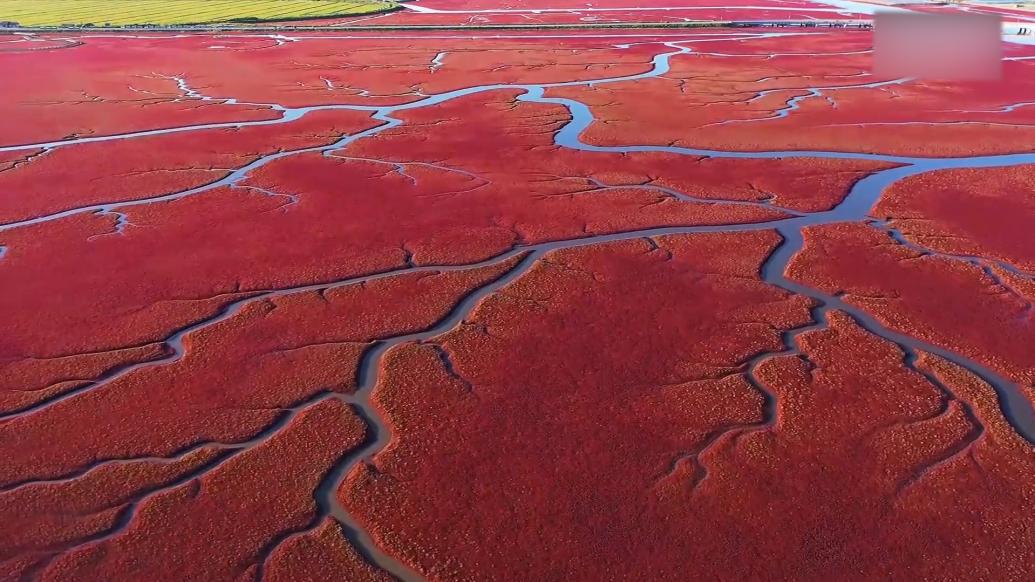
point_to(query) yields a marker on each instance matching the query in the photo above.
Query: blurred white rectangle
(957, 46)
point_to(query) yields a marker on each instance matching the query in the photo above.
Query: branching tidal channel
(854, 208)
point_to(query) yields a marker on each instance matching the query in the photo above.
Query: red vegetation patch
(869, 466)
(11, 160)
(133, 169)
(474, 133)
(24, 382)
(587, 458)
(174, 374)
(530, 18)
(802, 184)
(27, 43)
(984, 212)
(351, 217)
(321, 555)
(456, 213)
(629, 357)
(731, 94)
(530, 12)
(270, 355)
(218, 525)
(946, 302)
(371, 72)
(42, 519)
(113, 85)
(99, 88)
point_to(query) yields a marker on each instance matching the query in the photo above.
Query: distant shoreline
(237, 27)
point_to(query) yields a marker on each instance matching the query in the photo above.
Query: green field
(171, 12)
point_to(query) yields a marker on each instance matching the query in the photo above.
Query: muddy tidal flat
(469, 304)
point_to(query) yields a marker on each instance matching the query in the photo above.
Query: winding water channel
(855, 207)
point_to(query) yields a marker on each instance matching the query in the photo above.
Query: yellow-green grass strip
(175, 12)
